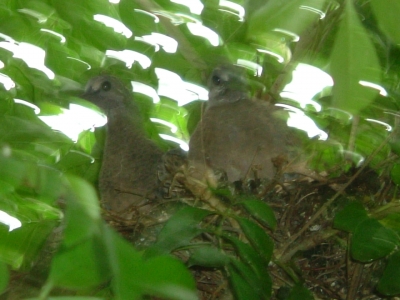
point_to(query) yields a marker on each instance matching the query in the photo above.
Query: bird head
(227, 84)
(107, 92)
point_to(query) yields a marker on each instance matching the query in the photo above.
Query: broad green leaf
(395, 173)
(140, 22)
(124, 261)
(353, 59)
(327, 155)
(4, 276)
(372, 241)
(392, 221)
(134, 277)
(30, 211)
(224, 22)
(58, 56)
(389, 283)
(167, 277)
(257, 237)
(299, 292)
(11, 171)
(19, 248)
(349, 217)
(15, 25)
(22, 133)
(258, 286)
(368, 141)
(240, 286)
(272, 42)
(289, 16)
(249, 256)
(82, 265)
(46, 181)
(84, 195)
(6, 187)
(90, 30)
(180, 229)
(395, 145)
(260, 211)
(387, 13)
(207, 256)
(83, 212)
(49, 109)
(87, 140)
(75, 160)
(40, 7)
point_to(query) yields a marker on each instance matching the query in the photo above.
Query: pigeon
(245, 138)
(128, 175)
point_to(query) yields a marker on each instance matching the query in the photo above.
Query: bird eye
(106, 86)
(216, 80)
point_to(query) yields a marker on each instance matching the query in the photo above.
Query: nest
(313, 253)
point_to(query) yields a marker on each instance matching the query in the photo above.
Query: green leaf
(299, 292)
(80, 266)
(87, 140)
(123, 261)
(245, 285)
(387, 13)
(258, 238)
(83, 212)
(75, 160)
(141, 22)
(49, 109)
(395, 173)
(225, 22)
(285, 15)
(260, 211)
(57, 57)
(11, 172)
(395, 145)
(133, 276)
(349, 217)
(91, 31)
(22, 133)
(242, 289)
(47, 181)
(20, 247)
(16, 26)
(389, 283)
(353, 59)
(167, 277)
(392, 221)
(372, 241)
(249, 256)
(4, 276)
(207, 256)
(180, 229)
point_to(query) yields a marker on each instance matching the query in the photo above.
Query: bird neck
(124, 125)
(228, 99)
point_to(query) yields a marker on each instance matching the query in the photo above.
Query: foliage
(46, 180)
(247, 272)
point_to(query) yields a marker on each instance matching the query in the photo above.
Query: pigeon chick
(128, 175)
(236, 134)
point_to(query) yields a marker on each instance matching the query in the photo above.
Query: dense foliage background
(49, 49)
